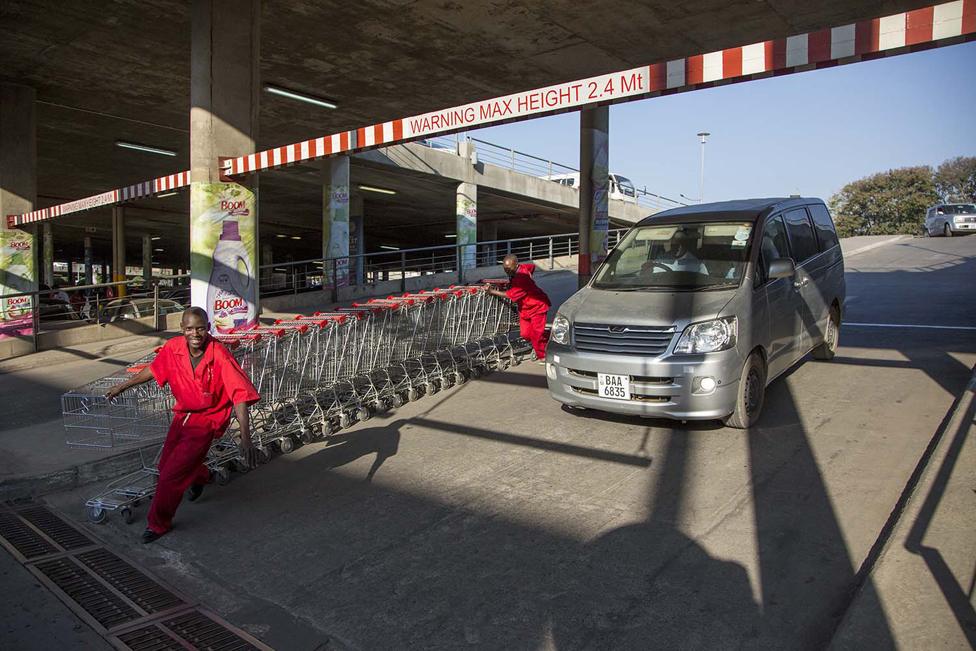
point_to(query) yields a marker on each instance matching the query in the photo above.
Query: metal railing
(317, 274)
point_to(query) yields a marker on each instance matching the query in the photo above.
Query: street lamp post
(701, 174)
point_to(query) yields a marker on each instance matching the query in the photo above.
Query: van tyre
(946, 230)
(828, 348)
(750, 395)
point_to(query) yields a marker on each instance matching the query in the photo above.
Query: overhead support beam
(224, 92)
(937, 25)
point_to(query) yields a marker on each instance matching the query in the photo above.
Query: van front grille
(648, 341)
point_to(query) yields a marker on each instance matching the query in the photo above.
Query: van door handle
(800, 283)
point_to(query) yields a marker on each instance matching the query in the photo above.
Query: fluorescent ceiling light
(389, 248)
(158, 237)
(160, 250)
(166, 194)
(281, 235)
(274, 90)
(296, 237)
(369, 188)
(450, 236)
(145, 148)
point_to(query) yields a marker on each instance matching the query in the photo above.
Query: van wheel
(946, 230)
(751, 394)
(828, 348)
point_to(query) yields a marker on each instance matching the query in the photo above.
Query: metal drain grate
(204, 633)
(150, 638)
(136, 586)
(25, 540)
(106, 607)
(55, 528)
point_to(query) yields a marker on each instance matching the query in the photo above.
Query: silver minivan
(698, 309)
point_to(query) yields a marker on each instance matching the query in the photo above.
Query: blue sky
(807, 133)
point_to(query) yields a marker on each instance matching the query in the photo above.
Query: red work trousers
(180, 465)
(532, 326)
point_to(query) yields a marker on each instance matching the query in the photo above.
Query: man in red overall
(532, 302)
(208, 384)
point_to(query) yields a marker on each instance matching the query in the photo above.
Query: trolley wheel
(460, 377)
(222, 475)
(265, 455)
(328, 429)
(363, 414)
(447, 382)
(431, 388)
(286, 444)
(399, 400)
(413, 394)
(345, 420)
(477, 371)
(127, 516)
(96, 514)
(242, 467)
(308, 436)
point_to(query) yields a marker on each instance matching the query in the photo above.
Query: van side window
(774, 243)
(802, 239)
(824, 225)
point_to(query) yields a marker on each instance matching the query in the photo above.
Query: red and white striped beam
(112, 197)
(933, 26)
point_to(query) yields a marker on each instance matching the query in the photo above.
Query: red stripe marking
(968, 16)
(694, 69)
(344, 141)
(297, 150)
(918, 25)
(398, 129)
(775, 54)
(657, 76)
(867, 36)
(732, 63)
(360, 138)
(818, 46)
(378, 133)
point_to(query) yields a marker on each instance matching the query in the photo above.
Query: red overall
(205, 398)
(533, 306)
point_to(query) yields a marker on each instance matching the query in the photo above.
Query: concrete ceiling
(107, 71)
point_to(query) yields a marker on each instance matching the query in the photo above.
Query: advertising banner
(335, 227)
(601, 206)
(223, 254)
(17, 274)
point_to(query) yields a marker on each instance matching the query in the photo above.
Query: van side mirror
(781, 268)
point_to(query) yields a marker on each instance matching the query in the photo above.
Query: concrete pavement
(488, 517)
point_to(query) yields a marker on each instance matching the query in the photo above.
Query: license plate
(616, 387)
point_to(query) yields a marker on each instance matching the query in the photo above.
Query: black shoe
(196, 490)
(149, 536)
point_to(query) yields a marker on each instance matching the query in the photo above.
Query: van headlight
(708, 336)
(560, 330)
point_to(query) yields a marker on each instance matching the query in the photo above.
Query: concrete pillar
(224, 100)
(147, 260)
(594, 181)
(48, 251)
(357, 239)
(267, 259)
(335, 220)
(18, 194)
(118, 249)
(466, 211)
(89, 270)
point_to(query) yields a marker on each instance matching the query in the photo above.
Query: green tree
(955, 180)
(888, 203)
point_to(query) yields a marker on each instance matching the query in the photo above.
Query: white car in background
(950, 219)
(621, 188)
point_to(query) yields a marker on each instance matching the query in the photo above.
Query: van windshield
(678, 257)
(959, 209)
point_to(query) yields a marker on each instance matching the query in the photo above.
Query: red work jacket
(211, 390)
(525, 293)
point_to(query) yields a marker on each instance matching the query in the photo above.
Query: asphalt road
(488, 517)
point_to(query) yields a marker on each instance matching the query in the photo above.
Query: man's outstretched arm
(139, 378)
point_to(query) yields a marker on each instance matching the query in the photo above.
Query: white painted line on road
(869, 247)
(908, 325)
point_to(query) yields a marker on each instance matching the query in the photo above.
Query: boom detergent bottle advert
(16, 276)
(224, 253)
